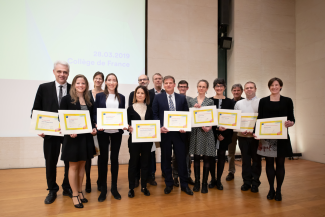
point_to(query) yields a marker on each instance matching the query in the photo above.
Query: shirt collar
(58, 85)
(255, 97)
(173, 94)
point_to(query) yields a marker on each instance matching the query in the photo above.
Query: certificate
(247, 123)
(229, 119)
(111, 118)
(75, 121)
(271, 128)
(45, 122)
(175, 121)
(146, 131)
(204, 116)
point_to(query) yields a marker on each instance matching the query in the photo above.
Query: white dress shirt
(64, 89)
(173, 99)
(111, 102)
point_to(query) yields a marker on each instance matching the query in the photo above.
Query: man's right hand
(41, 135)
(163, 130)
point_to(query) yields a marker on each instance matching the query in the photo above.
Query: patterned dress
(202, 143)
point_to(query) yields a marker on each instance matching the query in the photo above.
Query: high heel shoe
(79, 205)
(84, 200)
(270, 195)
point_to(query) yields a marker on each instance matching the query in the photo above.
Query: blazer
(101, 103)
(151, 95)
(160, 104)
(267, 109)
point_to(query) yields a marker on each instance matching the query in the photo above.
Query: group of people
(205, 143)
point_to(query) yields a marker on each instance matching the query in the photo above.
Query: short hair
(219, 81)
(156, 74)
(62, 63)
(145, 75)
(146, 92)
(273, 80)
(250, 82)
(237, 85)
(182, 82)
(98, 73)
(205, 81)
(168, 77)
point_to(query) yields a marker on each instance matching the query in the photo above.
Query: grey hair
(146, 76)
(237, 85)
(62, 63)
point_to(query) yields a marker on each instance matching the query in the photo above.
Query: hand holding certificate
(229, 119)
(46, 123)
(175, 121)
(204, 116)
(75, 121)
(108, 118)
(271, 128)
(146, 131)
(248, 121)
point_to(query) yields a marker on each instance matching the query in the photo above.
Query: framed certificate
(175, 121)
(204, 116)
(229, 119)
(111, 118)
(247, 123)
(45, 122)
(271, 128)
(75, 121)
(146, 131)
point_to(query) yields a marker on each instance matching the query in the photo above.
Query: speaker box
(224, 12)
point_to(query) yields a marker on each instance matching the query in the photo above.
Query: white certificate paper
(229, 119)
(271, 128)
(75, 121)
(247, 123)
(204, 116)
(108, 118)
(146, 131)
(45, 122)
(175, 121)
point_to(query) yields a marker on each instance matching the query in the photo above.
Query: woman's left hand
(197, 105)
(125, 128)
(94, 132)
(73, 135)
(289, 124)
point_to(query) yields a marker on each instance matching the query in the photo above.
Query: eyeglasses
(182, 87)
(145, 79)
(220, 85)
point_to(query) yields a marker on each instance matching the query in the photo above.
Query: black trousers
(188, 158)
(251, 161)
(136, 150)
(104, 140)
(176, 141)
(152, 166)
(51, 148)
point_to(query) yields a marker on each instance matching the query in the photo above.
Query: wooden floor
(22, 193)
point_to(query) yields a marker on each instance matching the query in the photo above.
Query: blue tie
(171, 104)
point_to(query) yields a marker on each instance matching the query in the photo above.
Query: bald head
(143, 80)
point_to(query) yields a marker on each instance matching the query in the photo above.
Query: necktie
(171, 104)
(60, 94)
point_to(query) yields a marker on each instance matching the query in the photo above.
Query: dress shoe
(102, 196)
(219, 185)
(204, 189)
(83, 199)
(115, 194)
(131, 193)
(230, 177)
(245, 187)
(278, 196)
(187, 190)
(152, 182)
(50, 198)
(190, 181)
(168, 189)
(136, 183)
(212, 184)
(67, 192)
(270, 195)
(254, 189)
(145, 191)
(88, 187)
(196, 187)
(176, 183)
(79, 204)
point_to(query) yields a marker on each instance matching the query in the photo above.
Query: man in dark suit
(170, 101)
(48, 98)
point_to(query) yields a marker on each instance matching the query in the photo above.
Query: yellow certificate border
(65, 122)
(48, 116)
(250, 128)
(136, 131)
(227, 113)
(195, 122)
(271, 134)
(111, 124)
(177, 126)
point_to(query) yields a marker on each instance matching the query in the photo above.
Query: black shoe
(245, 187)
(168, 189)
(79, 205)
(176, 183)
(115, 194)
(50, 198)
(99, 188)
(190, 181)
(187, 190)
(204, 189)
(83, 200)
(254, 189)
(88, 187)
(230, 177)
(136, 183)
(219, 185)
(270, 195)
(152, 182)
(102, 196)
(67, 192)
(145, 191)
(196, 187)
(212, 184)
(131, 193)
(278, 196)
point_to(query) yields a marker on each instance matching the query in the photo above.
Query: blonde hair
(85, 94)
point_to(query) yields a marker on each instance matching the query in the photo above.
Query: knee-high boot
(196, 187)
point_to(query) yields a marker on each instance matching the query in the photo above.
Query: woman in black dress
(78, 148)
(222, 135)
(139, 110)
(276, 150)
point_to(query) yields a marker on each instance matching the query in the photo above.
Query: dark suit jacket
(151, 95)
(101, 103)
(153, 91)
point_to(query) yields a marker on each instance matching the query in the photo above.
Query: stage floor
(23, 192)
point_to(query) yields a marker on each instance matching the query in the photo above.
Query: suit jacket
(153, 91)
(101, 103)
(151, 95)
